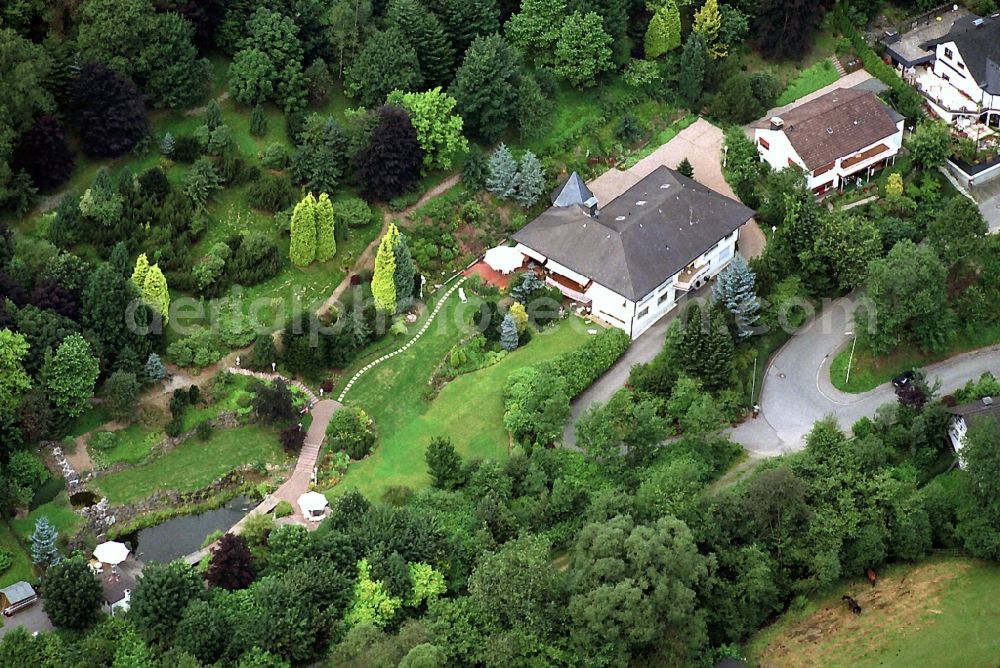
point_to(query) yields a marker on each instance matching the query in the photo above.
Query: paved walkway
(404, 347)
(298, 483)
(797, 391)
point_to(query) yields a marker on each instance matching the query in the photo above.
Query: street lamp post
(850, 359)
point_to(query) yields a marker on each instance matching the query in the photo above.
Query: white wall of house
(775, 149)
(956, 433)
(948, 64)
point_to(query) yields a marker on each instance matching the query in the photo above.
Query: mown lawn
(822, 73)
(60, 513)
(20, 568)
(868, 370)
(193, 464)
(469, 409)
(941, 612)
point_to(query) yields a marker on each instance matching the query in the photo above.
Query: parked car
(903, 379)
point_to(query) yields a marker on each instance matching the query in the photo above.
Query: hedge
(581, 367)
(908, 101)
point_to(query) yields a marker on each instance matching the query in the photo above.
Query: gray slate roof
(643, 237)
(988, 406)
(573, 192)
(17, 592)
(979, 47)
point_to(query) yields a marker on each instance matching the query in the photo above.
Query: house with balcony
(839, 138)
(959, 73)
(634, 259)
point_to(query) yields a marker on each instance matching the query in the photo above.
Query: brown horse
(871, 577)
(852, 604)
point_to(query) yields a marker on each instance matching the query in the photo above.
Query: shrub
(275, 156)
(6, 560)
(271, 192)
(353, 212)
(350, 430)
(283, 509)
(257, 259)
(404, 201)
(292, 438)
(187, 149)
(103, 440)
(204, 430)
(397, 495)
(581, 367)
(174, 428)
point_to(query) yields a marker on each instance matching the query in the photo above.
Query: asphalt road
(31, 619)
(797, 391)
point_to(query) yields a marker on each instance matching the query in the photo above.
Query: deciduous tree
(534, 29)
(109, 111)
(42, 152)
(121, 393)
(72, 594)
(69, 376)
(583, 50)
(158, 602)
(390, 165)
(439, 128)
(14, 381)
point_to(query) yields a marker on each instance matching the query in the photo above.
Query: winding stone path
(406, 346)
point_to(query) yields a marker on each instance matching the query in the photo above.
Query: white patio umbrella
(504, 259)
(312, 504)
(111, 552)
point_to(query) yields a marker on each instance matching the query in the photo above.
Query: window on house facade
(948, 53)
(961, 65)
(763, 143)
(664, 297)
(643, 313)
(791, 163)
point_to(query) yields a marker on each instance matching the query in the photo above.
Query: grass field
(809, 80)
(20, 568)
(868, 370)
(60, 513)
(193, 464)
(941, 613)
(469, 409)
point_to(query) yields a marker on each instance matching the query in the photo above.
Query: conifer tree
(139, 273)
(508, 333)
(403, 276)
(530, 180)
(302, 250)
(44, 552)
(213, 116)
(444, 464)
(384, 280)
(167, 145)
(258, 121)
(734, 289)
(153, 371)
(421, 27)
(155, 291)
(692, 75)
(707, 22)
(685, 168)
(664, 31)
(326, 240)
(502, 180)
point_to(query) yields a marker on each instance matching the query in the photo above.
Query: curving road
(797, 391)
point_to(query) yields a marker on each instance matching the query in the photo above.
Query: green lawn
(60, 514)
(194, 464)
(868, 370)
(820, 74)
(940, 613)
(469, 409)
(20, 568)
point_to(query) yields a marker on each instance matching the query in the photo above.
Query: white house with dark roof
(963, 414)
(632, 260)
(844, 135)
(958, 71)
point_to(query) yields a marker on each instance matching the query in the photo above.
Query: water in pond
(84, 499)
(181, 536)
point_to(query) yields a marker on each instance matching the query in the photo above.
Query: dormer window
(948, 53)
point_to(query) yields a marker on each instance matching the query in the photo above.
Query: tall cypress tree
(384, 280)
(326, 241)
(403, 274)
(302, 250)
(155, 291)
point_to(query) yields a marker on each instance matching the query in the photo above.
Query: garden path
(406, 346)
(368, 255)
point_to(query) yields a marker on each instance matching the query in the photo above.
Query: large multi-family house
(985, 408)
(958, 71)
(836, 139)
(634, 259)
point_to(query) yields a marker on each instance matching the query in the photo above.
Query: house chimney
(777, 123)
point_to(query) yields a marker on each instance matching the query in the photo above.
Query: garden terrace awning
(111, 552)
(504, 259)
(313, 505)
